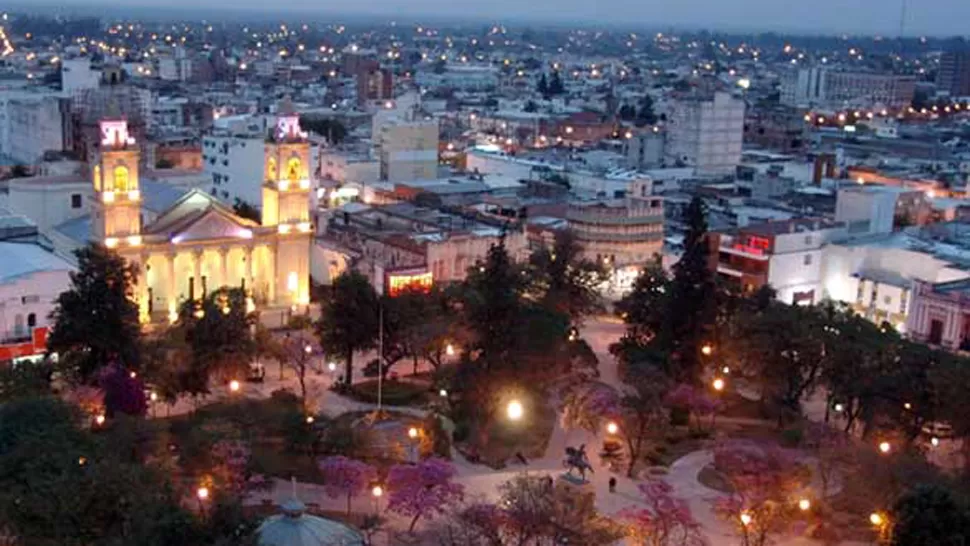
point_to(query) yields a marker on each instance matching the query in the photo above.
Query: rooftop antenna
(902, 27)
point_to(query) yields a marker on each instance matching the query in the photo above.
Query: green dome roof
(296, 528)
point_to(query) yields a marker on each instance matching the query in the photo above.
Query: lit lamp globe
(514, 410)
(612, 428)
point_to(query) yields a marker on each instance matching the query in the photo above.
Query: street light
(450, 350)
(707, 350)
(202, 493)
(332, 366)
(443, 393)
(804, 505)
(726, 370)
(309, 419)
(612, 428)
(377, 491)
(514, 410)
(935, 441)
(234, 386)
(308, 349)
(746, 519)
(412, 433)
(99, 420)
(885, 447)
(876, 519)
(718, 384)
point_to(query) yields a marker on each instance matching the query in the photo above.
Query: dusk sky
(931, 17)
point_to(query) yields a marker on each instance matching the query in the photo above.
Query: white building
(31, 278)
(78, 75)
(406, 149)
(706, 132)
(831, 88)
(235, 164)
(31, 123)
(868, 209)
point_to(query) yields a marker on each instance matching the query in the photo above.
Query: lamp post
(514, 410)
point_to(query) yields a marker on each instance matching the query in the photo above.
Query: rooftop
(24, 259)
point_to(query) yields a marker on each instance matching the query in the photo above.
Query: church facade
(199, 244)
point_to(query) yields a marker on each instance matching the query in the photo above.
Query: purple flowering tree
(423, 489)
(122, 392)
(696, 402)
(343, 476)
(666, 521)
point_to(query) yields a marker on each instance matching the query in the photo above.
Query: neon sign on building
(399, 282)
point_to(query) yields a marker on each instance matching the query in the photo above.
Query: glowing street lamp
(412, 433)
(202, 493)
(876, 519)
(612, 428)
(514, 410)
(309, 419)
(308, 349)
(99, 420)
(934, 441)
(885, 447)
(332, 366)
(234, 386)
(707, 350)
(377, 491)
(746, 519)
(804, 505)
(718, 384)
(450, 350)
(443, 393)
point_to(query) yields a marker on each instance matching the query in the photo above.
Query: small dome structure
(294, 527)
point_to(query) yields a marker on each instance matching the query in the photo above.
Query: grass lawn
(395, 393)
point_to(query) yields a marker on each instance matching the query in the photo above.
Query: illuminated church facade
(199, 244)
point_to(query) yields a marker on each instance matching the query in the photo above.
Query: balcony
(746, 251)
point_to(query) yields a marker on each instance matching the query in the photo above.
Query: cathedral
(199, 244)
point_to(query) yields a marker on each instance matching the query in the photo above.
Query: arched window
(271, 170)
(121, 178)
(97, 178)
(293, 170)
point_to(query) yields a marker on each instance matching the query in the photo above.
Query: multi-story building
(621, 234)
(831, 88)
(374, 84)
(868, 209)
(78, 75)
(705, 132)
(953, 76)
(787, 255)
(781, 129)
(234, 161)
(645, 150)
(31, 278)
(406, 149)
(33, 122)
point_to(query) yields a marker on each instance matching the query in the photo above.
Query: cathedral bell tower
(116, 214)
(286, 205)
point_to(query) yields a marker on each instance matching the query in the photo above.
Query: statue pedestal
(574, 486)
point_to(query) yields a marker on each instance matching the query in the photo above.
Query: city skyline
(824, 17)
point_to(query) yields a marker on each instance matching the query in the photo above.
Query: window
(75, 200)
(271, 170)
(886, 300)
(808, 239)
(807, 260)
(31, 320)
(293, 170)
(97, 178)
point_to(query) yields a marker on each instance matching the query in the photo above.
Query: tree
(565, 280)
(530, 106)
(333, 130)
(542, 87)
(425, 489)
(349, 319)
(764, 479)
(297, 352)
(666, 521)
(218, 330)
(123, 393)
(555, 84)
(493, 307)
(96, 319)
(645, 115)
(697, 402)
(25, 381)
(247, 210)
(343, 476)
(627, 112)
(930, 515)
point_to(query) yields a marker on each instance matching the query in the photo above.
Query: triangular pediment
(213, 224)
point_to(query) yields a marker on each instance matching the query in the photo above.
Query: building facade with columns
(199, 244)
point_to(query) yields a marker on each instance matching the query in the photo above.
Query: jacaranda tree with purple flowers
(343, 476)
(666, 521)
(425, 489)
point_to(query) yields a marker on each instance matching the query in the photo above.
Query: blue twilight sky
(930, 17)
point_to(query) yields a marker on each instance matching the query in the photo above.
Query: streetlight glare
(875, 518)
(99, 419)
(332, 366)
(377, 491)
(412, 433)
(707, 350)
(515, 410)
(746, 518)
(202, 493)
(234, 385)
(718, 384)
(612, 428)
(804, 505)
(885, 447)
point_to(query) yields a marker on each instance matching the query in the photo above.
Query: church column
(172, 287)
(249, 269)
(224, 267)
(273, 272)
(197, 273)
(144, 293)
